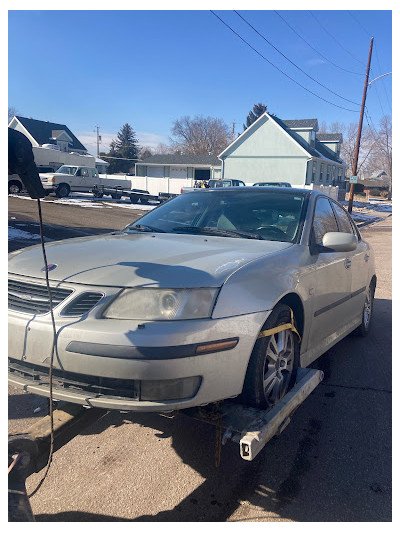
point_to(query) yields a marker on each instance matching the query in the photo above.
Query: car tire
(366, 317)
(134, 198)
(115, 196)
(63, 190)
(273, 364)
(144, 201)
(14, 187)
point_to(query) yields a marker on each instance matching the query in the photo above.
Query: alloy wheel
(278, 366)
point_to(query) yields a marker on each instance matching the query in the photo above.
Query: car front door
(359, 262)
(332, 280)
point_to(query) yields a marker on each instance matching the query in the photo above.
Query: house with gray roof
(197, 167)
(292, 151)
(46, 134)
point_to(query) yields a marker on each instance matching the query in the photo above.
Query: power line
(334, 38)
(277, 68)
(373, 129)
(379, 64)
(294, 64)
(315, 49)
(359, 23)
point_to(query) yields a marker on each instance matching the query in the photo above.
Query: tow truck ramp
(252, 428)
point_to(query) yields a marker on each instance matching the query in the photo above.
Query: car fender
(259, 285)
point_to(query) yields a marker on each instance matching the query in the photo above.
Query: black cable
(294, 64)
(336, 40)
(277, 68)
(377, 58)
(51, 357)
(315, 49)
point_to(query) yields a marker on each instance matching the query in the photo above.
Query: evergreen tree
(258, 110)
(125, 149)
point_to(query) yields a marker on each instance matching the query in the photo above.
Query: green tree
(123, 151)
(258, 110)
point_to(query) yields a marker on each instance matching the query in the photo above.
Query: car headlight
(162, 304)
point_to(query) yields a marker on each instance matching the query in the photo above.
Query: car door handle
(347, 263)
(366, 257)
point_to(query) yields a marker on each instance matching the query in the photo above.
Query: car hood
(143, 259)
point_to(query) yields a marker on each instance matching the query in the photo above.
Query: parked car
(272, 184)
(186, 305)
(216, 184)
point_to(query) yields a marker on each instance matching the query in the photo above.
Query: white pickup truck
(77, 179)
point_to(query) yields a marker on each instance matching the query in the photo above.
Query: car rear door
(332, 279)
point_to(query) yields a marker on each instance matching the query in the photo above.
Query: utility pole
(233, 130)
(355, 162)
(98, 141)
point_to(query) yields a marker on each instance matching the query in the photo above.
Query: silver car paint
(253, 276)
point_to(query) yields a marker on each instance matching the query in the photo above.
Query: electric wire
(336, 40)
(378, 61)
(277, 68)
(53, 348)
(294, 64)
(315, 49)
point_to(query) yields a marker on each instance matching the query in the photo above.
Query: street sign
(353, 179)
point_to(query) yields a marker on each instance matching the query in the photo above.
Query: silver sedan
(212, 295)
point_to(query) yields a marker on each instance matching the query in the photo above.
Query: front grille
(82, 304)
(33, 298)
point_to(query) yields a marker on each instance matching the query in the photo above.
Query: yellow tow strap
(282, 327)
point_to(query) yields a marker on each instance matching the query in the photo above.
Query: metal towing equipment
(251, 428)
(133, 194)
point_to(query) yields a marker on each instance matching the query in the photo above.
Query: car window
(271, 215)
(324, 219)
(84, 172)
(343, 219)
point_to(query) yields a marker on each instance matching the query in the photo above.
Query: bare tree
(200, 135)
(12, 111)
(366, 151)
(382, 156)
(162, 148)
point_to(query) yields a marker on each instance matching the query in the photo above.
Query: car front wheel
(273, 364)
(63, 190)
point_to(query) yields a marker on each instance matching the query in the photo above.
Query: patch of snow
(15, 233)
(358, 217)
(139, 207)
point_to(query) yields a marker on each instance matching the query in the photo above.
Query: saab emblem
(49, 267)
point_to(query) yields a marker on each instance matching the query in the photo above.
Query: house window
(321, 172)
(314, 171)
(339, 175)
(328, 174)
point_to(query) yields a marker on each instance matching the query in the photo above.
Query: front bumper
(131, 354)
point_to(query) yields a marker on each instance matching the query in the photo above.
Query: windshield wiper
(144, 227)
(216, 231)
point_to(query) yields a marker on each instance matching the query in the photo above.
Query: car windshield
(67, 170)
(257, 213)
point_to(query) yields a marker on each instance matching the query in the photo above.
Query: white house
(292, 151)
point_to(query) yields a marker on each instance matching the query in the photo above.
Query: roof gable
(288, 126)
(42, 132)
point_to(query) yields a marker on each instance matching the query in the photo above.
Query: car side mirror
(335, 241)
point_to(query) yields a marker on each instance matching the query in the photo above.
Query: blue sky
(149, 68)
